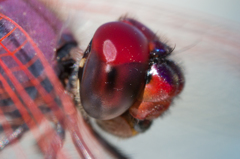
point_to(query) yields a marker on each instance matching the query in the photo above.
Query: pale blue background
(228, 9)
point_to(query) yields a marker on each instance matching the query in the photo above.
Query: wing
(30, 91)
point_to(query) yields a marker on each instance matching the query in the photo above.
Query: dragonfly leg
(13, 137)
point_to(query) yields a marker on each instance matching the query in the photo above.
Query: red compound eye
(114, 72)
(119, 43)
(156, 47)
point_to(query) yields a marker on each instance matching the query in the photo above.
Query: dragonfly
(41, 78)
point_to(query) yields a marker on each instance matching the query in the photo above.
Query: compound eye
(114, 72)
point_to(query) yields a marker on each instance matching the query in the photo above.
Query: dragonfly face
(125, 77)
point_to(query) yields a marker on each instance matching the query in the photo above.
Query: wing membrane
(29, 82)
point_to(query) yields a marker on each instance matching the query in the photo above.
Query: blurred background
(204, 121)
(223, 9)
